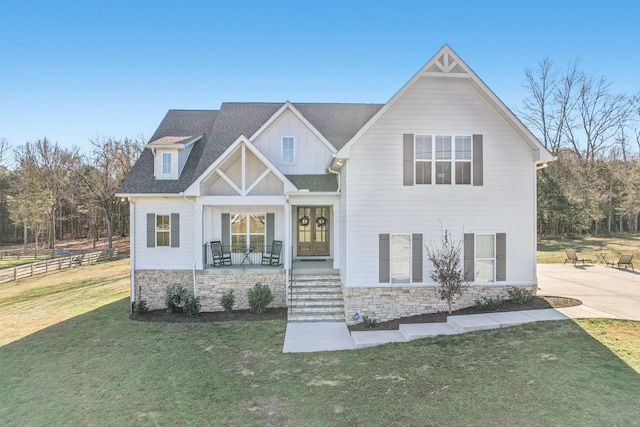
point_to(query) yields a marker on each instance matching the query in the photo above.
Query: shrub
(489, 303)
(259, 298)
(191, 305)
(520, 296)
(228, 300)
(369, 322)
(174, 298)
(139, 306)
(179, 299)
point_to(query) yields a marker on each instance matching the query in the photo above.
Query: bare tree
(552, 100)
(106, 168)
(447, 267)
(4, 152)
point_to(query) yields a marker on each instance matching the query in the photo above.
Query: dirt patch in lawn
(216, 316)
(535, 304)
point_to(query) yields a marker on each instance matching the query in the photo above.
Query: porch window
(287, 149)
(485, 258)
(248, 230)
(401, 258)
(163, 230)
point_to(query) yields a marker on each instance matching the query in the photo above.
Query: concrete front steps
(316, 298)
(454, 325)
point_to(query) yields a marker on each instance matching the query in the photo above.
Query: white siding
(164, 257)
(310, 154)
(175, 164)
(379, 203)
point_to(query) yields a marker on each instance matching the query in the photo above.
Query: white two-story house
(352, 192)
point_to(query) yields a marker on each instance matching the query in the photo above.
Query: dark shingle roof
(220, 128)
(315, 183)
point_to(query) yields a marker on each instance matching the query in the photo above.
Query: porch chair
(218, 256)
(272, 257)
(625, 259)
(573, 257)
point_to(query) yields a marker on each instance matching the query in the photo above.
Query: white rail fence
(27, 270)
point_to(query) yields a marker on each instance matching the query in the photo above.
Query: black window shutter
(151, 230)
(271, 225)
(384, 259)
(175, 230)
(225, 234)
(477, 160)
(501, 257)
(407, 159)
(469, 257)
(416, 264)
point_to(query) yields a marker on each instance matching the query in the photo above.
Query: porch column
(287, 236)
(335, 232)
(198, 234)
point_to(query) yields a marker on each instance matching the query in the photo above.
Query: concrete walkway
(605, 292)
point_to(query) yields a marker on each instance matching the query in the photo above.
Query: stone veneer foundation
(211, 285)
(393, 302)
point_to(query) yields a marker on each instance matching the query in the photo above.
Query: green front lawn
(100, 368)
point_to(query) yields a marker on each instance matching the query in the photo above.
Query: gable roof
(175, 123)
(221, 128)
(446, 63)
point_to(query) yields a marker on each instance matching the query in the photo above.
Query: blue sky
(75, 70)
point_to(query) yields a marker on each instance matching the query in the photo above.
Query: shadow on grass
(101, 368)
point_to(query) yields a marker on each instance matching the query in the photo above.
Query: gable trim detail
(244, 144)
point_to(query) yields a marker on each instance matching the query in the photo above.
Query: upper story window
(288, 149)
(443, 159)
(166, 163)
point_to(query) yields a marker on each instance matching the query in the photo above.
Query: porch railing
(238, 255)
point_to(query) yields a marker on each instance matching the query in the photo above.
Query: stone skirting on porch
(211, 285)
(393, 302)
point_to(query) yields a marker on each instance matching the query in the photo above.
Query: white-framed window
(400, 258)
(485, 258)
(443, 159)
(166, 163)
(288, 149)
(248, 230)
(163, 230)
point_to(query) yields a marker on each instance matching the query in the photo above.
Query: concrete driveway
(605, 292)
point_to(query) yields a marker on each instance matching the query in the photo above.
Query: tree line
(54, 193)
(594, 185)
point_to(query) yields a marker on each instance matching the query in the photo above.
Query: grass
(14, 262)
(551, 251)
(29, 305)
(100, 368)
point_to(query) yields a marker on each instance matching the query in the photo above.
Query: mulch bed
(535, 304)
(281, 314)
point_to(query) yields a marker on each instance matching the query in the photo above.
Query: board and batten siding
(310, 154)
(150, 258)
(378, 201)
(212, 218)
